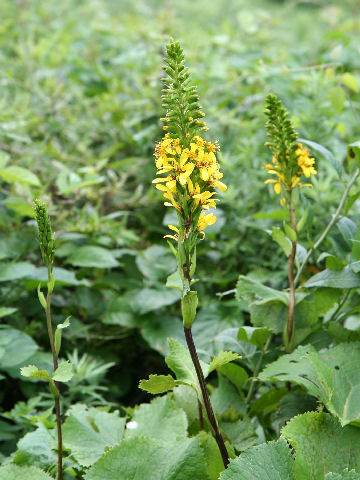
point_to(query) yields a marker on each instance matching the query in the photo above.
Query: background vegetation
(79, 109)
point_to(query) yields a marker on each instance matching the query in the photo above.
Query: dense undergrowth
(79, 117)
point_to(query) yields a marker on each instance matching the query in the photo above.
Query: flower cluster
(305, 167)
(290, 159)
(191, 175)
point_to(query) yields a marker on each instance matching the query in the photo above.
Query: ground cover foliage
(79, 117)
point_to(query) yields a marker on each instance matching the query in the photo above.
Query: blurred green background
(80, 86)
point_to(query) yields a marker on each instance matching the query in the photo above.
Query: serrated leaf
(14, 472)
(31, 371)
(36, 449)
(92, 257)
(332, 376)
(222, 359)
(321, 445)
(161, 411)
(157, 384)
(270, 461)
(344, 278)
(64, 372)
(133, 458)
(87, 432)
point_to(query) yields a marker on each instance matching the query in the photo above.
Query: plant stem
(55, 362)
(210, 413)
(329, 225)
(291, 262)
(257, 369)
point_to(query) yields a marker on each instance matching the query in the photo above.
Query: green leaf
(256, 293)
(344, 278)
(225, 396)
(14, 271)
(63, 276)
(41, 298)
(88, 432)
(214, 463)
(349, 81)
(64, 372)
(92, 257)
(16, 347)
(345, 475)
(241, 433)
(338, 98)
(13, 472)
(332, 376)
(270, 461)
(348, 230)
(174, 281)
(179, 361)
(31, 371)
(256, 336)
(133, 458)
(58, 333)
(268, 401)
(321, 445)
(36, 448)
(6, 311)
(222, 359)
(236, 374)
(156, 262)
(161, 411)
(19, 174)
(281, 239)
(157, 384)
(150, 299)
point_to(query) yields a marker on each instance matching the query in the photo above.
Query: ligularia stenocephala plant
(189, 176)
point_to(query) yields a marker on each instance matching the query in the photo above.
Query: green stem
(329, 225)
(55, 362)
(205, 394)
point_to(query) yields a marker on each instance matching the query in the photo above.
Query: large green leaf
(150, 299)
(322, 445)
(15, 347)
(14, 271)
(91, 256)
(139, 457)
(19, 174)
(161, 411)
(13, 472)
(344, 278)
(88, 431)
(156, 262)
(332, 376)
(269, 461)
(36, 448)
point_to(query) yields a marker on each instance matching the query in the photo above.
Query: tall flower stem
(291, 263)
(205, 394)
(55, 362)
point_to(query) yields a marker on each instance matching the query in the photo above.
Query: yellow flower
(205, 221)
(305, 162)
(174, 237)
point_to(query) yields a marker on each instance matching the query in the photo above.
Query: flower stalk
(47, 246)
(290, 162)
(188, 174)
